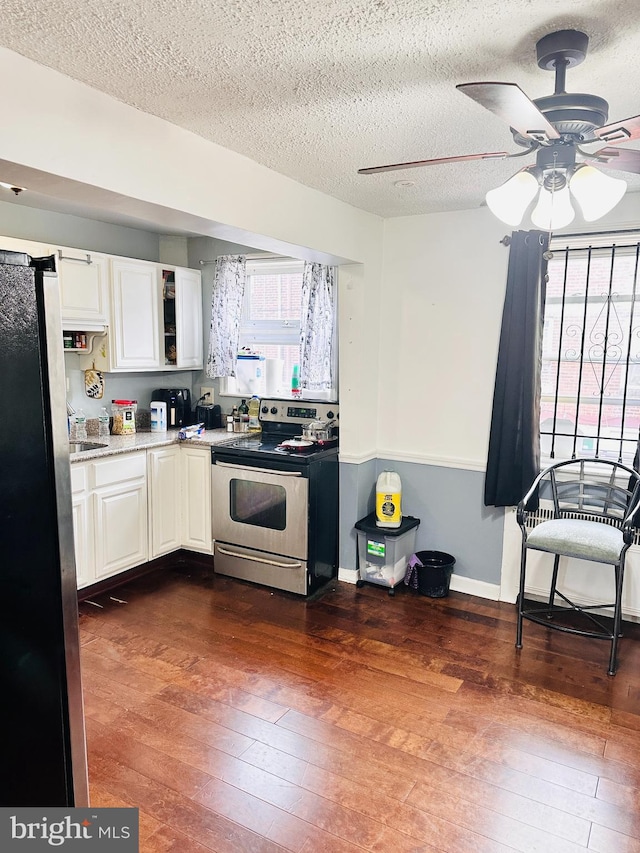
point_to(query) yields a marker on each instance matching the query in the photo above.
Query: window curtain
(317, 324)
(514, 443)
(226, 310)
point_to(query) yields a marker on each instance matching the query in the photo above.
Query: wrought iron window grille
(590, 396)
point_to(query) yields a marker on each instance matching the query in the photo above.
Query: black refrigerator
(42, 735)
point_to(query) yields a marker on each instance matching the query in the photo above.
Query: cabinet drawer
(79, 478)
(128, 466)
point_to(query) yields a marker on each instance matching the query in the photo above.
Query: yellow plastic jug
(388, 500)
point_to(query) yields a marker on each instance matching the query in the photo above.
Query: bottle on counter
(103, 423)
(296, 391)
(81, 425)
(229, 423)
(254, 414)
(235, 414)
(243, 411)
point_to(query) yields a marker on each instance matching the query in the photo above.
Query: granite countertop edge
(116, 444)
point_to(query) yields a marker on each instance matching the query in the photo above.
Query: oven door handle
(259, 470)
(255, 559)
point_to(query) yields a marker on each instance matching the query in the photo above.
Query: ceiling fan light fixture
(510, 200)
(595, 192)
(553, 210)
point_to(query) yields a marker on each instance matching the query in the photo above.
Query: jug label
(388, 506)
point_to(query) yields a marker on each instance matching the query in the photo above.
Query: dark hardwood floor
(238, 719)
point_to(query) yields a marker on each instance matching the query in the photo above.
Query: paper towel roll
(273, 372)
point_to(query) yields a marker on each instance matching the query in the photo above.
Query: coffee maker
(178, 401)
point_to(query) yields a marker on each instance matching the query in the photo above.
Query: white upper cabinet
(156, 317)
(135, 297)
(84, 293)
(29, 247)
(182, 318)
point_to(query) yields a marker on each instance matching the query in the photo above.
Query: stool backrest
(591, 488)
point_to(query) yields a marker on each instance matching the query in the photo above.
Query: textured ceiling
(316, 89)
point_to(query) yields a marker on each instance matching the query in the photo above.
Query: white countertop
(144, 440)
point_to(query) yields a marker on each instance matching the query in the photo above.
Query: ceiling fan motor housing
(573, 113)
(576, 115)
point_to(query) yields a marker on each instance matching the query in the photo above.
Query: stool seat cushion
(572, 537)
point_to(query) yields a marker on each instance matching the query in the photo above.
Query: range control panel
(298, 412)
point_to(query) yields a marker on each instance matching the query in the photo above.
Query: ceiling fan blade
(620, 131)
(509, 102)
(493, 155)
(622, 159)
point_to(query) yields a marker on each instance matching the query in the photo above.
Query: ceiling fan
(556, 127)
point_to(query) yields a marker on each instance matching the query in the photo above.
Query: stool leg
(617, 617)
(523, 569)
(554, 581)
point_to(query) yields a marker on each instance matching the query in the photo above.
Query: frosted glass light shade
(595, 192)
(510, 200)
(553, 210)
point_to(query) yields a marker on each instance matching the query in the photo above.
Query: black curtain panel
(514, 443)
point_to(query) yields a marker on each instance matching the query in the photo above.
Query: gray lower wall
(357, 499)
(449, 504)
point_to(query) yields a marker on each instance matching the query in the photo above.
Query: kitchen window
(271, 311)
(590, 389)
(270, 325)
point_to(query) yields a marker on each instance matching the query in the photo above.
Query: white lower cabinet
(196, 499)
(137, 506)
(110, 515)
(82, 524)
(165, 517)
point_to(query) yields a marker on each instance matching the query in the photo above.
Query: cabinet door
(16, 244)
(82, 525)
(83, 286)
(196, 499)
(120, 528)
(120, 513)
(189, 329)
(135, 295)
(164, 500)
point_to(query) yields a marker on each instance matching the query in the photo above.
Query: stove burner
(249, 443)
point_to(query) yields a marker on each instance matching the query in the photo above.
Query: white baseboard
(471, 586)
(348, 575)
(459, 583)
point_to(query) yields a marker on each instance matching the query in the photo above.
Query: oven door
(260, 509)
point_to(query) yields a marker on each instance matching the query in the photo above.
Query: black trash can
(435, 573)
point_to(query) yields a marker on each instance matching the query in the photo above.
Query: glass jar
(124, 417)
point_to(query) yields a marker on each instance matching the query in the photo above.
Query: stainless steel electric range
(275, 507)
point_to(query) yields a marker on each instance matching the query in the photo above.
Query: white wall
(76, 143)
(441, 308)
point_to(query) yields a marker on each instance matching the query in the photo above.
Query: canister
(124, 417)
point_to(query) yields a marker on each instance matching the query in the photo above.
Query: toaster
(209, 415)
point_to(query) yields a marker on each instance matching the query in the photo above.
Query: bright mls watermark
(27, 829)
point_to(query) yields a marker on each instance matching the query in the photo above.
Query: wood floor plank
(240, 719)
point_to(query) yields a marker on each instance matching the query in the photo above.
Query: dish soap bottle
(103, 423)
(296, 391)
(254, 414)
(81, 426)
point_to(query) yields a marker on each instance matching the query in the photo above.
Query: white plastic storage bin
(383, 553)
